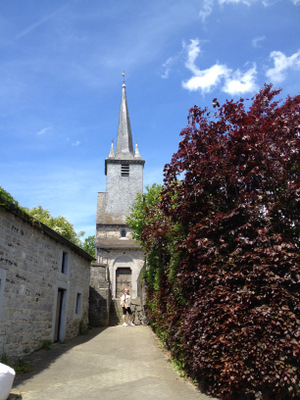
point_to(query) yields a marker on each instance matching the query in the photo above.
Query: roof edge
(45, 229)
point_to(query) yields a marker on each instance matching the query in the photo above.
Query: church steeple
(124, 139)
(124, 148)
(124, 180)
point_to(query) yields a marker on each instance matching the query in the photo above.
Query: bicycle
(140, 313)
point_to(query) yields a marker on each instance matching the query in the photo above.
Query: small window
(65, 263)
(123, 232)
(124, 169)
(78, 303)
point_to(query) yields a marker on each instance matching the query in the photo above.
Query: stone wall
(99, 296)
(121, 191)
(113, 232)
(37, 266)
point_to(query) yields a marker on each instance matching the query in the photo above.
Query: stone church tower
(124, 179)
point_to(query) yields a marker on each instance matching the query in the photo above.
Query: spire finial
(123, 74)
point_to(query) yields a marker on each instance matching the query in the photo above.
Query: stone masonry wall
(121, 191)
(99, 296)
(30, 278)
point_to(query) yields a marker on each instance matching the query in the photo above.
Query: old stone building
(124, 179)
(44, 284)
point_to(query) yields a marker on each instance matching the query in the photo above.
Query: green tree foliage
(63, 227)
(6, 199)
(141, 210)
(89, 245)
(58, 224)
(223, 275)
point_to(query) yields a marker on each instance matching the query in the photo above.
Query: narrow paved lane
(109, 364)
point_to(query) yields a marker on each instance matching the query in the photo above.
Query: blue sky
(61, 66)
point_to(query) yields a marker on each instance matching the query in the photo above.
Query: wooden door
(123, 281)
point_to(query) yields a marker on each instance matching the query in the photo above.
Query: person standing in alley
(126, 302)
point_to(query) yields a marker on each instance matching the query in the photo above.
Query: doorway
(59, 316)
(123, 280)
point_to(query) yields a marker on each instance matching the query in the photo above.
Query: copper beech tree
(224, 285)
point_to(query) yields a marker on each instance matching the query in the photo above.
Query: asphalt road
(107, 364)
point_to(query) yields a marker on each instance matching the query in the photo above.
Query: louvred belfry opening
(124, 169)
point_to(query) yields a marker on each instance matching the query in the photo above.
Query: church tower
(124, 179)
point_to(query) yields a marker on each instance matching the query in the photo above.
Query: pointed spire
(137, 152)
(124, 140)
(112, 151)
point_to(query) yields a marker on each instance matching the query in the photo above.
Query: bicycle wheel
(145, 320)
(133, 316)
(140, 317)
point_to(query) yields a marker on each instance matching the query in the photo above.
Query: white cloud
(266, 3)
(168, 64)
(193, 50)
(281, 64)
(167, 67)
(77, 143)
(247, 2)
(207, 6)
(205, 80)
(240, 83)
(43, 131)
(256, 42)
(206, 10)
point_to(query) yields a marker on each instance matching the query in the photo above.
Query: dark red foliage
(232, 312)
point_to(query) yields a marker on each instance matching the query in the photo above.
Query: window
(64, 263)
(78, 303)
(124, 169)
(123, 232)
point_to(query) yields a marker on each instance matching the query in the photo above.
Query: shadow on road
(42, 359)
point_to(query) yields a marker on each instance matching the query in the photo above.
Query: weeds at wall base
(83, 328)
(46, 345)
(20, 366)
